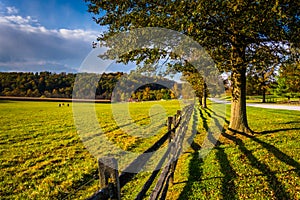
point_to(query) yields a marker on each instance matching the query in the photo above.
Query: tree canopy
(232, 32)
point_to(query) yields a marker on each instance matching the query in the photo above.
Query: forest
(284, 82)
(61, 85)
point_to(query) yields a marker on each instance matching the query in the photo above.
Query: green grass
(266, 166)
(43, 157)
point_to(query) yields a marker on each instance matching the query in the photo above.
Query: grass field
(266, 166)
(43, 157)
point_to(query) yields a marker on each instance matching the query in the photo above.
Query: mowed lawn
(43, 157)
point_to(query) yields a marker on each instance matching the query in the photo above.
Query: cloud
(26, 45)
(12, 10)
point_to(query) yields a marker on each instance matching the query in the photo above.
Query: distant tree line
(43, 84)
(119, 86)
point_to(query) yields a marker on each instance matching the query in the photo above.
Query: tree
(260, 80)
(288, 80)
(199, 86)
(228, 30)
(261, 74)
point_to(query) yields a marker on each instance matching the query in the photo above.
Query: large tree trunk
(204, 105)
(238, 119)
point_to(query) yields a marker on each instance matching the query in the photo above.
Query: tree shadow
(5, 101)
(195, 169)
(277, 153)
(210, 135)
(195, 173)
(214, 113)
(278, 130)
(228, 186)
(204, 120)
(278, 189)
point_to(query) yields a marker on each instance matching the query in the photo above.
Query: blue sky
(52, 35)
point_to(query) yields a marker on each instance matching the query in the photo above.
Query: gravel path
(262, 105)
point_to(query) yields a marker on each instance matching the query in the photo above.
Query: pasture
(43, 157)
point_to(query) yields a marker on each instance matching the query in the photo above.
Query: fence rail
(111, 182)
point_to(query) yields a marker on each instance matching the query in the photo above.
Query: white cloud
(11, 10)
(27, 44)
(27, 24)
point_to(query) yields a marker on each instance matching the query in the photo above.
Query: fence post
(170, 122)
(173, 164)
(178, 116)
(109, 177)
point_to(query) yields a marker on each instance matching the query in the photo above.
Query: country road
(262, 105)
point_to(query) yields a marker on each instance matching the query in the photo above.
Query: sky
(52, 35)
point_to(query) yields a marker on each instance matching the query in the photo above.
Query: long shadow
(204, 120)
(195, 169)
(5, 101)
(277, 153)
(93, 136)
(195, 173)
(214, 113)
(228, 186)
(210, 136)
(278, 130)
(275, 185)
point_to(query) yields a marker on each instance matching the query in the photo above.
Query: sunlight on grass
(43, 157)
(262, 167)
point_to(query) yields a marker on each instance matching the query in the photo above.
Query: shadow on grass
(5, 101)
(204, 120)
(214, 113)
(229, 175)
(278, 130)
(228, 186)
(195, 173)
(79, 186)
(278, 189)
(277, 153)
(195, 169)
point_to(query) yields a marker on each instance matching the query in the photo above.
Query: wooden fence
(111, 182)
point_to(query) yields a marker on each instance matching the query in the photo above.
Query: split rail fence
(111, 182)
